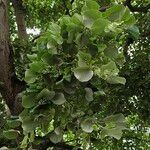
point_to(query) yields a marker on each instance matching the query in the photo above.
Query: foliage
(82, 90)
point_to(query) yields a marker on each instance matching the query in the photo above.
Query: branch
(143, 9)
(20, 18)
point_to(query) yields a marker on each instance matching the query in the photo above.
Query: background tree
(71, 86)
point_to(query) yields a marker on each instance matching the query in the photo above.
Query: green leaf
(55, 29)
(92, 4)
(116, 80)
(108, 70)
(115, 12)
(13, 123)
(28, 122)
(87, 125)
(89, 16)
(30, 76)
(45, 93)
(37, 66)
(114, 118)
(32, 57)
(29, 125)
(111, 51)
(89, 94)
(83, 74)
(59, 99)
(24, 142)
(99, 26)
(11, 134)
(55, 138)
(114, 132)
(28, 101)
(134, 31)
(52, 48)
(114, 126)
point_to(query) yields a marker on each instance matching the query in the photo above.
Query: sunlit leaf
(83, 74)
(87, 125)
(30, 76)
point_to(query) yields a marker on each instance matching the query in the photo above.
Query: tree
(77, 84)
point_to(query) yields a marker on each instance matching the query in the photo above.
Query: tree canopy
(74, 74)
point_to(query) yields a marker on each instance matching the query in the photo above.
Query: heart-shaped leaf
(114, 132)
(30, 76)
(83, 74)
(13, 123)
(55, 138)
(11, 134)
(87, 125)
(28, 101)
(59, 99)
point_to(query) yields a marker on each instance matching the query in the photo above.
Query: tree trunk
(20, 18)
(9, 85)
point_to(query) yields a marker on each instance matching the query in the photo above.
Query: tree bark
(20, 19)
(10, 86)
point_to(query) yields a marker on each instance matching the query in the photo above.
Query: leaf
(37, 66)
(30, 76)
(11, 134)
(45, 93)
(114, 126)
(83, 74)
(110, 69)
(116, 80)
(92, 4)
(24, 142)
(99, 26)
(13, 123)
(115, 12)
(58, 99)
(32, 57)
(87, 125)
(134, 31)
(89, 94)
(55, 138)
(55, 29)
(114, 132)
(4, 148)
(28, 122)
(28, 101)
(111, 51)
(114, 118)
(89, 16)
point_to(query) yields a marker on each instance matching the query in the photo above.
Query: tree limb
(20, 18)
